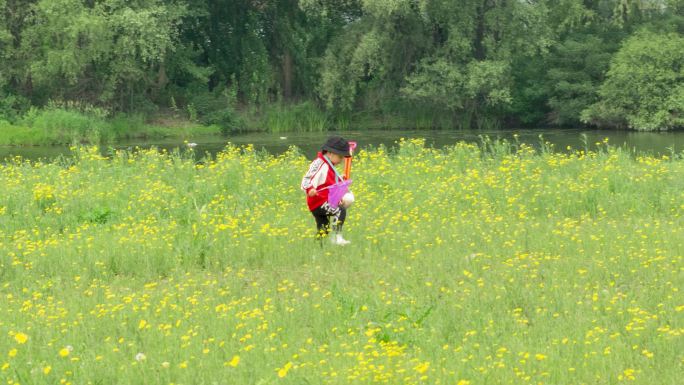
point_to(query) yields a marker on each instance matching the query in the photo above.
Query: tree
(106, 51)
(567, 80)
(5, 47)
(469, 71)
(12, 12)
(644, 89)
(268, 49)
(576, 70)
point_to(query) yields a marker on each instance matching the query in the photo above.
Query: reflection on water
(309, 143)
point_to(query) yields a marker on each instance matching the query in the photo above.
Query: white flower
(140, 357)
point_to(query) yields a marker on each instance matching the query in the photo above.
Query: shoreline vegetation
(70, 126)
(76, 124)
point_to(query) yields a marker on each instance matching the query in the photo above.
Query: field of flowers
(489, 264)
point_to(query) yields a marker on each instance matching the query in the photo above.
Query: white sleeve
(316, 175)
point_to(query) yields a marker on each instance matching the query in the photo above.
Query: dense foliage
(422, 63)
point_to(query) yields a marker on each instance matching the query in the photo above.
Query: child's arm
(314, 177)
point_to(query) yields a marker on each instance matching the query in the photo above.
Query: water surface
(642, 142)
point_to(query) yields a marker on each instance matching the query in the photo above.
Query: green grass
(300, 117)
(483, 265)
(11, 134)
(63, 126)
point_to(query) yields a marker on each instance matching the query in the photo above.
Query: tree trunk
(478, 44)
(287, 75)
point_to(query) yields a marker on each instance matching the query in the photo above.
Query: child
(322, 174)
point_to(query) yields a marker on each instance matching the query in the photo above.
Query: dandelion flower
(64, 352)
(422, 368)
(21, 338)
(140, 357)
(234, 362)
(283, 371)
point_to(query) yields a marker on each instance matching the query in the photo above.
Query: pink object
(337, 191)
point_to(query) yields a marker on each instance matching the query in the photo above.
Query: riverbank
(554, 140)
(66, 126)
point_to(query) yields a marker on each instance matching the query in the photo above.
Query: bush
(226, 119)
(215, 107)
(12, 106)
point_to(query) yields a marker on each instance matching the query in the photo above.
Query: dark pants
(323, 215)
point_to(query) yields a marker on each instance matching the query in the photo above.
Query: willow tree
(5, 51)
(265, 50)
(102, 51)
(13, 85)
(450, 56)
(368, 61)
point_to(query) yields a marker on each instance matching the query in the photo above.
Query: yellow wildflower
(283, 371)
(21, 338)
(234, 362)
(422, 368)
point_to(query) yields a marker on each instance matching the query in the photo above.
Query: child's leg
(322, 221)
(338, 215)
(338, 219)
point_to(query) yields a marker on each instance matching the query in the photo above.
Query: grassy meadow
(490, 264)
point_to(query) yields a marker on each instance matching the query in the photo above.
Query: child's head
(336, 148)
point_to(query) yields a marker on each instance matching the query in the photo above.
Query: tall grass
(470, 265)
(59, 125)
(12, 134)
(277, 118)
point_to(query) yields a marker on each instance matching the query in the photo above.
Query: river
(641, 142)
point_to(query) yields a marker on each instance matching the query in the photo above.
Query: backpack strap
(338, 177)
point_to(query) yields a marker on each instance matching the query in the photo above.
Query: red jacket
(321, 174)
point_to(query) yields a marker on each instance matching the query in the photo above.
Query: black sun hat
(338, 145)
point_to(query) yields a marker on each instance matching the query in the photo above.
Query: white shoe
(336, 239)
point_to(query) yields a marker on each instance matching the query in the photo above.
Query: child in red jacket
(322, 174)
